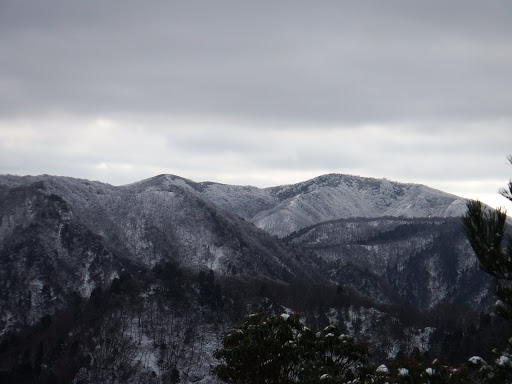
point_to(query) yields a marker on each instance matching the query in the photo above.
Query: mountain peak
(284, 209)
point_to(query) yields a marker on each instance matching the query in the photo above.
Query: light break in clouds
(260, 93)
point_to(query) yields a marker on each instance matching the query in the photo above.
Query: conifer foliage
(485, 229)
(281, 349)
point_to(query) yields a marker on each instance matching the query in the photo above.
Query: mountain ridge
(284, 209)
(66, 244)
(96, 231)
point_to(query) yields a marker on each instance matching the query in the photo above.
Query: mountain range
(285, 209)
(389, 245)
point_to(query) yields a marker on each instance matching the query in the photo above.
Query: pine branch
(507, 192)
(485, 229)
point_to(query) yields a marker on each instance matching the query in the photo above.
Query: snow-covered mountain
(379, 258)
(97, 230)
(284, 209)
(62, 237)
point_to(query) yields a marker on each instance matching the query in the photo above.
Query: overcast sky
(259, 92)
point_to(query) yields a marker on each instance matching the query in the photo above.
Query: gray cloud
(299, 61)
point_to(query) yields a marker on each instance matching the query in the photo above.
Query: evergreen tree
(281, 349)
(485, 229)
(210, 293)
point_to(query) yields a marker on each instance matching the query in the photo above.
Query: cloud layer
(295, 61)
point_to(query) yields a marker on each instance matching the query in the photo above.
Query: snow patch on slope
(284, 209)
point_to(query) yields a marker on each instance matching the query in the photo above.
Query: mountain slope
(422, 261)
(284, 209)
(48, 257)
(397, 281)
(396, 243)
(61, 237)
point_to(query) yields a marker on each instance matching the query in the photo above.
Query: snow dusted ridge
(96, 229)
(284, 209)
(373, 241)
(150, 221)
(62, 237)
(390, 241)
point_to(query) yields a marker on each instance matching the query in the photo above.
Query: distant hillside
(284, 209)
(422, 261)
